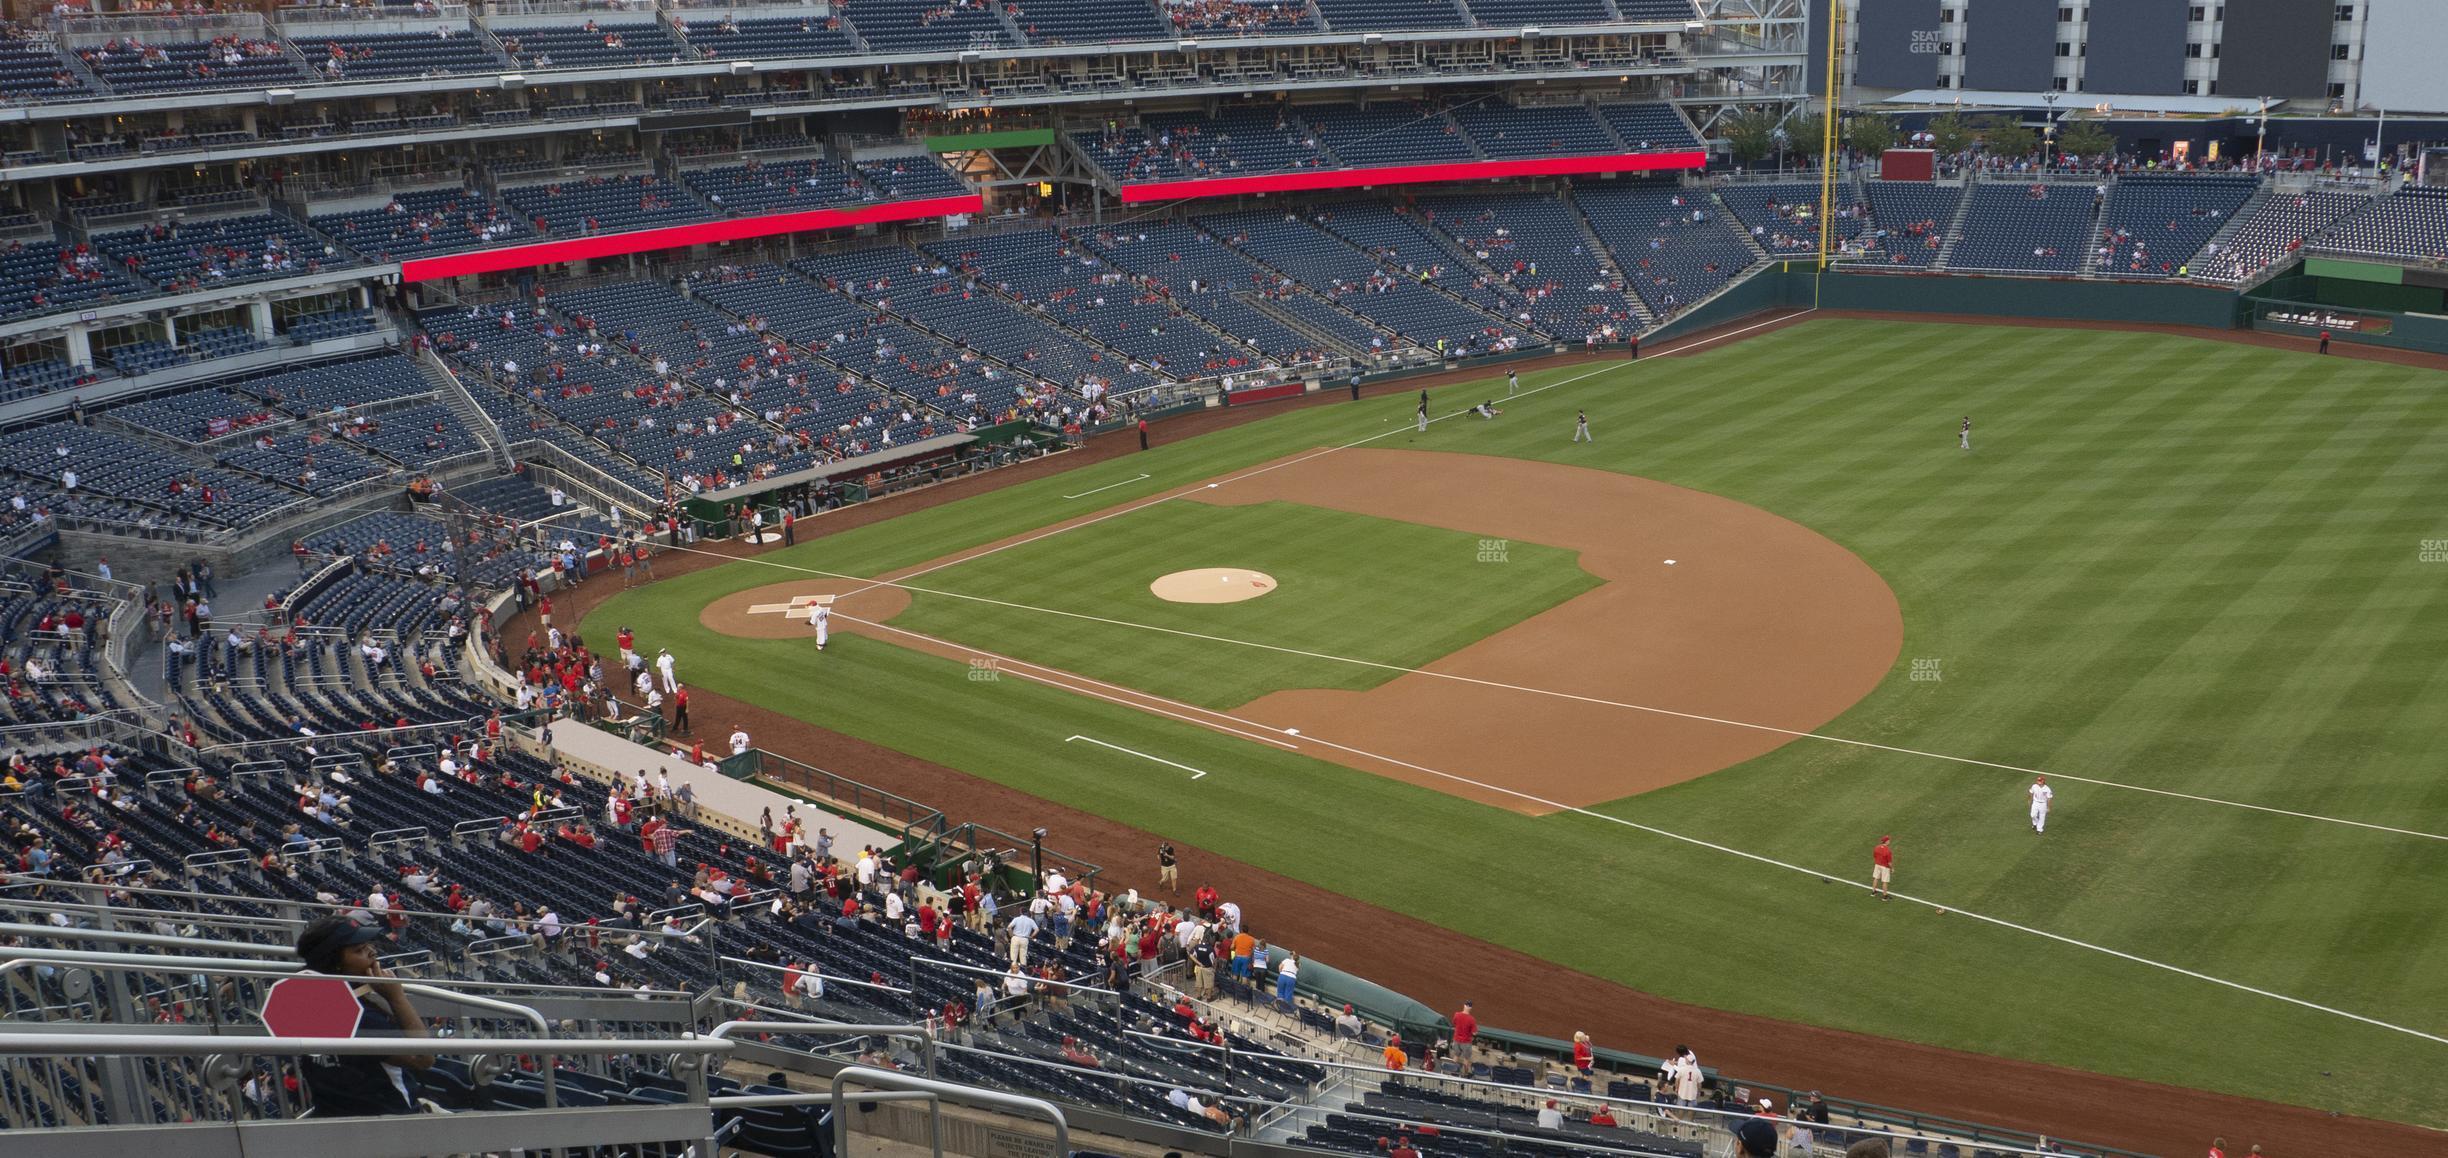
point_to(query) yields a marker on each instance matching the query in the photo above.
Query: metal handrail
(826, 978)
(893, 1079)
(1009, 973)
(924, 1036)
(176, 1045)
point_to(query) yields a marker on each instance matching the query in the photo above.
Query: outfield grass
(1348, 585)
(2173, 563)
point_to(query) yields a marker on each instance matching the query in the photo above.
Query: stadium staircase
(2099, 236)
(1725, 212)
(1955, 226)
(454, 394)
(1589, 236)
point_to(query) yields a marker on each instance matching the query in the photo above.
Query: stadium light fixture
(513, 80)
(280, 96)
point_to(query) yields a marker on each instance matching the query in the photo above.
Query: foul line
(1696, 717)
(1195, 774)
(1653, 830)
(1109, 486)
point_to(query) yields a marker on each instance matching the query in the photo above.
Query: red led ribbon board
(678, 236)
(1308, 179)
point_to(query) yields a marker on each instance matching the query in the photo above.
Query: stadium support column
(80, 345)
(259, 319)
(1037, 858)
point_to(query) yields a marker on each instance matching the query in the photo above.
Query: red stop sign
(312, 1007)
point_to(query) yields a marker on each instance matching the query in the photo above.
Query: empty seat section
(2036, 228)
(371, 56)
(593, 44)
(1649, 126)
(1506, 131)
(1673, 247)
(2275, 231)
(2411, 223)
(1389, 15)
(1087, 21)
(604, 205)
(1399, 133)
(926, 25)
(796, 36)
(2154, 223)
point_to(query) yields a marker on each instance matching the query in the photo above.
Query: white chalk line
(1109, 486)
(1832, 878)
(1695, 717)
(1056, 677)
(1195, 773)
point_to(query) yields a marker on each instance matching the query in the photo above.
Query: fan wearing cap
(353, 1085)
(1755, 1138)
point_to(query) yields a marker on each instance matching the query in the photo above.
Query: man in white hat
(663, 664)
(821, 614)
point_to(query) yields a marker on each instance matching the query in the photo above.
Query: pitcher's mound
(1213, 585)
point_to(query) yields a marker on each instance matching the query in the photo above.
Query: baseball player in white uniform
(663, 664)
(2040, 795)
(822, 616)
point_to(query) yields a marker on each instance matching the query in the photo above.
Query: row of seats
(31, 68)
(1274, 139)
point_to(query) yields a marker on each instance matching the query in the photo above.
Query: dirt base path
(1444, 968)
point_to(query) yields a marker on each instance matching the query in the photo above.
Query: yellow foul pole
(1827, 131)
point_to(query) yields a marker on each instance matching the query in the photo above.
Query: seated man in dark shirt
(352, 1085)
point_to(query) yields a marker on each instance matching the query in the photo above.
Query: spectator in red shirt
(1584, 1059)
(1882, 869)
(1465, 1035)
(1602, 1116)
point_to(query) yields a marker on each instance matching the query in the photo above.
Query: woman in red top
(1583, 1059)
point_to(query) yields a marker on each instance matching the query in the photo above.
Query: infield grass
(1347, 585)
(2172, 563)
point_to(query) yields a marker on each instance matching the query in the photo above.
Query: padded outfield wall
(1796, 286)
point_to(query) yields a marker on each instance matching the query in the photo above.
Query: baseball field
(1641, 705)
